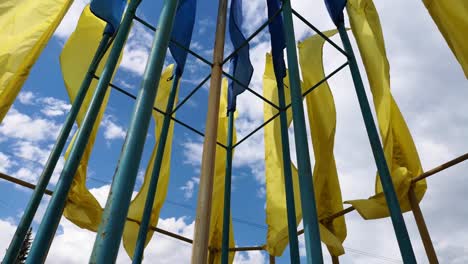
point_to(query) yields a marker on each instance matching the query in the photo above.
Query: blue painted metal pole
(48, 227)
(288, 181)
(309, 208)
(145, 221)
(399, 226)
(227, 192)
(110, 230)
(38, 193)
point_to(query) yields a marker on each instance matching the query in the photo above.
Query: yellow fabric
(276, 214)
(25, 28)
(82, 208)
(216, 222)
(137, 206)
(451, 17)
(322, 121)
(400, 151)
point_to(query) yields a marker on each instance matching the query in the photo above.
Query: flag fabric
(335, 10)
(182, 32)
(322, 123)
(451, 17)
(278, 42)
(241, 67)
(276, 213)
(400, 151)
(82, 208)
(110, 11)
(25, 29)
(217, 213)
(130, 234)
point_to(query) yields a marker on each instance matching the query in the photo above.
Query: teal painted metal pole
(309, 208)
(38, 193)
(48, 227)
(227, 191)
(288, 180)
(106, 245)
(143, 231)
(398, 222)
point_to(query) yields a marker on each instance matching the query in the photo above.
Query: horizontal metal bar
(319, 32)
(117, 88)
(191, 93)
(440, 168)
(320, 82)
(148, 25)
(156, 229)
(257, 129)
(250, 90)
(422, 176)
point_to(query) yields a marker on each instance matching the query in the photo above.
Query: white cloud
(189, 187)
(250, 257)
(137, 49)
(193, 152)
(111, 129)
(68, 24)
(26, 98)
(52, 107)
(5, 163)
(21, 126)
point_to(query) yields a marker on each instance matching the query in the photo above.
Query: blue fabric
(335, 9)
(278, 42)
(182, 32)
(241, 67)
(110, 11)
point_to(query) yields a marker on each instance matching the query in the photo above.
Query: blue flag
(110, 11)
(335, 9)
(182, 32)
(241, 67)
(278, 42)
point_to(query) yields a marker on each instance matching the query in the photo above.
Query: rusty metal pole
(423, 231)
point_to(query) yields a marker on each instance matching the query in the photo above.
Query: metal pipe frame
(110, 230)
(404, 242)
(49, 167)
(227, 191)
(325, 220)
(51, 219)
(145, 221)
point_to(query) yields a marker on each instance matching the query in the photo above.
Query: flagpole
(51, 219)
(152, 187)
(227, 191)
(38, 193)
(422, 227)
(205, 192)
(309, 208)
(106, 245)
(398, 222)
(288, 180)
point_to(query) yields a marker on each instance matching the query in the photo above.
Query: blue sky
(421, 64)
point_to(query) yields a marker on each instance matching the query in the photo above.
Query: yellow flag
(25, 28)
(137, 206)
(322, 123)
(276, 216)
(400, 151)
(451, 17)
(82, 208)
(216, 223)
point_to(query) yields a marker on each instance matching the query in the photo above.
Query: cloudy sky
(427, 83)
